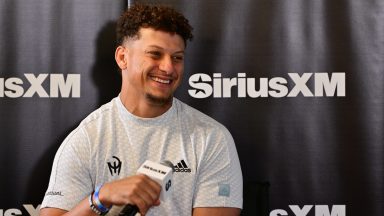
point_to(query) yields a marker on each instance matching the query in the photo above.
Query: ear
(120, 57)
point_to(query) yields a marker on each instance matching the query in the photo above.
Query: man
(94, 171)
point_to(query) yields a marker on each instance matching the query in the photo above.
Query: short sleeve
(70, 180)
(219, 181)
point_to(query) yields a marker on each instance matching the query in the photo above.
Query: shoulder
(105, 111)
(91, 125)
(197, 120)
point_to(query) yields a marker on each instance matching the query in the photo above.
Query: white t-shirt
(112, 143)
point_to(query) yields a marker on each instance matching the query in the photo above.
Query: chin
(159, 100)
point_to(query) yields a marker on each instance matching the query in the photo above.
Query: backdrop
(298, 83)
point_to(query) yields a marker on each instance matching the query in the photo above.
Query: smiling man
(152, 67)
(94, 171)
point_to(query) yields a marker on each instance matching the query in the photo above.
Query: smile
(163, 81)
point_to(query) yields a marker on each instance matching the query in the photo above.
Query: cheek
(137, 62)
(180, 70)
(139, 65)
(141, 68)
(180, 75)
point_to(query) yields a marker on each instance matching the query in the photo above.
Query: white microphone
(161, 173)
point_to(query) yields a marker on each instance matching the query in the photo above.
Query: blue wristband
(92, 206)
(99, 205)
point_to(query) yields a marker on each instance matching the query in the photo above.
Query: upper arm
(70, 179)
(213, 211)
(219, 181)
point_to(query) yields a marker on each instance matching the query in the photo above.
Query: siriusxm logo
(59, 86)
(320, 210)
(32, 211)
(329, 85)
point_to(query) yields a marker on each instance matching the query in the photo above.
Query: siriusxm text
(324, 84)
(41, 85)
(32, 211)
(319, 210)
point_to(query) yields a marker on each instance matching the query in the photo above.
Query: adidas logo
(181, 167)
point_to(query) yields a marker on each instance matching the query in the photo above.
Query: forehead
(162, 39)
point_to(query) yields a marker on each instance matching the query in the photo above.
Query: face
(154, 65)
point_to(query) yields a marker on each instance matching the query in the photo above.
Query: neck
(145, 108)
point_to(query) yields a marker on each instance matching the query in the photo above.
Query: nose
(166, 65)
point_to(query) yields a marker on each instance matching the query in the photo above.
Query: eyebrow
(158, 47)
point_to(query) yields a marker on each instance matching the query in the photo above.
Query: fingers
(137, 190)
(145, 193)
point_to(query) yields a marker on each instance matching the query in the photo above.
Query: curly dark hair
(157, 17)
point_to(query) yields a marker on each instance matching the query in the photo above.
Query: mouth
(161, 80)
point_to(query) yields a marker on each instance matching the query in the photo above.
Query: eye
(178, 58)
(155, 54)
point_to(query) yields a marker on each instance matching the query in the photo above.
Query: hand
(137, 190)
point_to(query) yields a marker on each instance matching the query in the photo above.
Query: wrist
(102, 197)
(96, 204)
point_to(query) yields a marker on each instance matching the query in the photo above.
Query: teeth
(161, 80)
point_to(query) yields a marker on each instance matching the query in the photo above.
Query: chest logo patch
(114, 166)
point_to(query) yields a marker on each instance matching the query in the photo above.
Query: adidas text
(182, 170)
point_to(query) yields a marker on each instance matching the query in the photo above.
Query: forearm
(82, 209)
(137, 190)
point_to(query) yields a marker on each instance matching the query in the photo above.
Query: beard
(159, 100)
